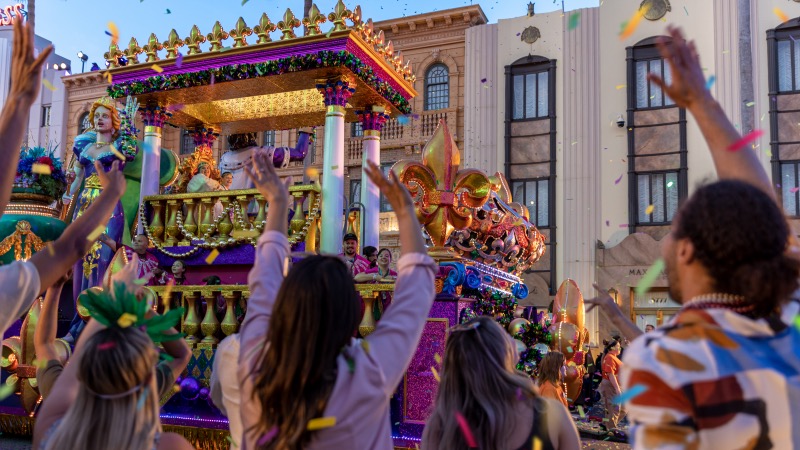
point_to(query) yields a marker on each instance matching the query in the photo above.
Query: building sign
(655, 299)
(8, 14)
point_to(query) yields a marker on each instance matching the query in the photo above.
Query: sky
(80, 25)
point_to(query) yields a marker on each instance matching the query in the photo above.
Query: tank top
(539, 430)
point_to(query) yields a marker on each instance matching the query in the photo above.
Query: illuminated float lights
(489, 270)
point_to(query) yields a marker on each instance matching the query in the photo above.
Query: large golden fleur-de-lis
(443, 195)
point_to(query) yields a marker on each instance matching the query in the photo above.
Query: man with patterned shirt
(357, 263)
(725, 372)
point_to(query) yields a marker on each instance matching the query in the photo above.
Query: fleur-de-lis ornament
(288, 24)
(172, 44)
(239, 33)
(313, 20)
(132, 52)
(264, 27)
(443, 195)
(152, 47)
(194, 40)
(338, 16)
(216, 37)
(112, 55)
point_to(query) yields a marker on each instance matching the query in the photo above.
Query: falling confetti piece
(618, 179)
(630, 394)
(166, 297)
(321, 423)
(437, 358)
(465, 430)
(365, 346)
(650, 277)
(157, 68)
(96, 233)
(312, 172)
(649, 209)
(168, 12)
(750, 104)
(711, 80)
(745, 141)
(687, 11)
(50, 250)
(634, 22)
(574, 21)
(108, 77)
(537, 443)
(6, 390)
(581, 412)
(113, 31)
(334, 167)
(435, 374)
(107, 345)
(268, 436)
(781, 15)
(483, 80)
(126, 320)
(621, 86)
(794, 189)
(212, 256)
(48, 85)
(243, 2)
(797, 322)
(608, 223)
(179, 60)
(41, 169)
(116, 152)
(230, 439)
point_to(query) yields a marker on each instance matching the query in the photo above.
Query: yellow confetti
(781, 15)
(649, 209)
(537, 443)
(334, 167)
(96, 233)
(212, 256)
(581, 412)
(48, 85)
(114, 31)
(116, 152)
(157, 68)
(312, 172)
(108, 77)
(634, 22)
(621, 86)
(365, 346)
(166, 298)
(50, 250)
(435, 374)
(321, 423)
(437, 358)
(126, 320)
(41, 169)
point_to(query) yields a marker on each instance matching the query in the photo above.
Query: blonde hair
(485, 394)
(117, 403)
(107, 103)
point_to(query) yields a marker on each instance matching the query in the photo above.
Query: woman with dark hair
(551, 377)
(305, 382)
(610, 386)
(483, 394)
(371, 253)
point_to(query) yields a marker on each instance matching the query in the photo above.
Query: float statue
(243, 147)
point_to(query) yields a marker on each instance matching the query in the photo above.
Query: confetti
(365, 346)
(116, 152)
(96, 233)
(321, 423)
(6, 390)
(581, 412)
(334, 167)
(711, 80)
(113, 32)
(50, 250)
(229, 438)
(483, 80)
(650, 277)
(435, 374)
(166, 297)
(48, 85)
(630, 27)
(329, 33)
(462, 423)
(537, 443)
(794, 189)
(687, 11)
(312, 172)
(608, 223)
(669, 185)
(630, 394)
(745, 141)
(404, 120)
(574, 20)
(126, 320)
(437, 358)
(268, 436)
(649, 209)
(243, 2)
(157, 68)
(621, 86)
(179, 60)
(618, 179)
(797, 322)
(107, 345)
(108, 77)
(212, 256)
(781, 15)
(41, 169)
(750, 104)
(168, 11)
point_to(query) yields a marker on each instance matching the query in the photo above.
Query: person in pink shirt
(355, 262)
(381, 273)
(298, 361)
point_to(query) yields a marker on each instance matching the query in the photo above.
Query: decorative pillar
(154, 118)
(372, 120)
(336, 93)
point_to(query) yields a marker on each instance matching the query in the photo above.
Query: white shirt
(225, 385)
(20, 287)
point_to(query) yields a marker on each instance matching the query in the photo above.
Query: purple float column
(372, 120)
(154, 118)
(336, 93)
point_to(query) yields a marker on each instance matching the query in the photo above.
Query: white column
(336, 93)
(154, 118)
(372, 121)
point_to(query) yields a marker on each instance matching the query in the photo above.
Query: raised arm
(44, 337)
(626, 328)
(688, 90)
(396, 337)
(26, 76)
(177, 349)
(74, 242)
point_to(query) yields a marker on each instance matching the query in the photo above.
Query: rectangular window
(789, 191)
(356, 129)
(355, 191)
(788, 65)
(385, 206)
(530, 99)
(45, 116)
(269, 138)
(649, 95)
(535, 195)
(657, 197)
(187, 142)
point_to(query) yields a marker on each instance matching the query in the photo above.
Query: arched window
(437, 87)
(83, 123)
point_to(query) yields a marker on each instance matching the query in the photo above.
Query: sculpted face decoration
(104, 117)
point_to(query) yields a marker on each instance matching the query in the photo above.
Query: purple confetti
(179, 60)
(483, 80)
(268, 436)
(619, 179)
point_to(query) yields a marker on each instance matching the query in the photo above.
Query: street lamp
(83, 57)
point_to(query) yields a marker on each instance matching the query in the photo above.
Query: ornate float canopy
(240, 86)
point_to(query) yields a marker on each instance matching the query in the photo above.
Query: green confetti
(581, 412)
(797, 321)
(6, 390)
(243, 2)
(574, 20)
(650, 277)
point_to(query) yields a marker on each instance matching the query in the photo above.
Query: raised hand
(396, 193)
(113, 180)
(688, 84)
(603, 300)
(26, 71)
(267, 181)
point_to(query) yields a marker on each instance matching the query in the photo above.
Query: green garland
(297, 63)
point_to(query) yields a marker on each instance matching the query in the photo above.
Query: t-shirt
(46, 377)
(359, 264)
(554, 391)
(611, 364)
(19, 287)
(377, 270)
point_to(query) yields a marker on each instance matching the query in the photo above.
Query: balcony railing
(409, 131)
(219, 219)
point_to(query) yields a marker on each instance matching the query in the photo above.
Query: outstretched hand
(266, 179)
(603, 300)
(396, 193)
(688, 84)
(26, 71)
(112, 180)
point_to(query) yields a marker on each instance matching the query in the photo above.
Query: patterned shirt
(715, 379)
(358, 264)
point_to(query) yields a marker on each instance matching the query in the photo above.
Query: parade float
(482, 240)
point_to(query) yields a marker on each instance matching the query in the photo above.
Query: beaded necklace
(735, 303)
